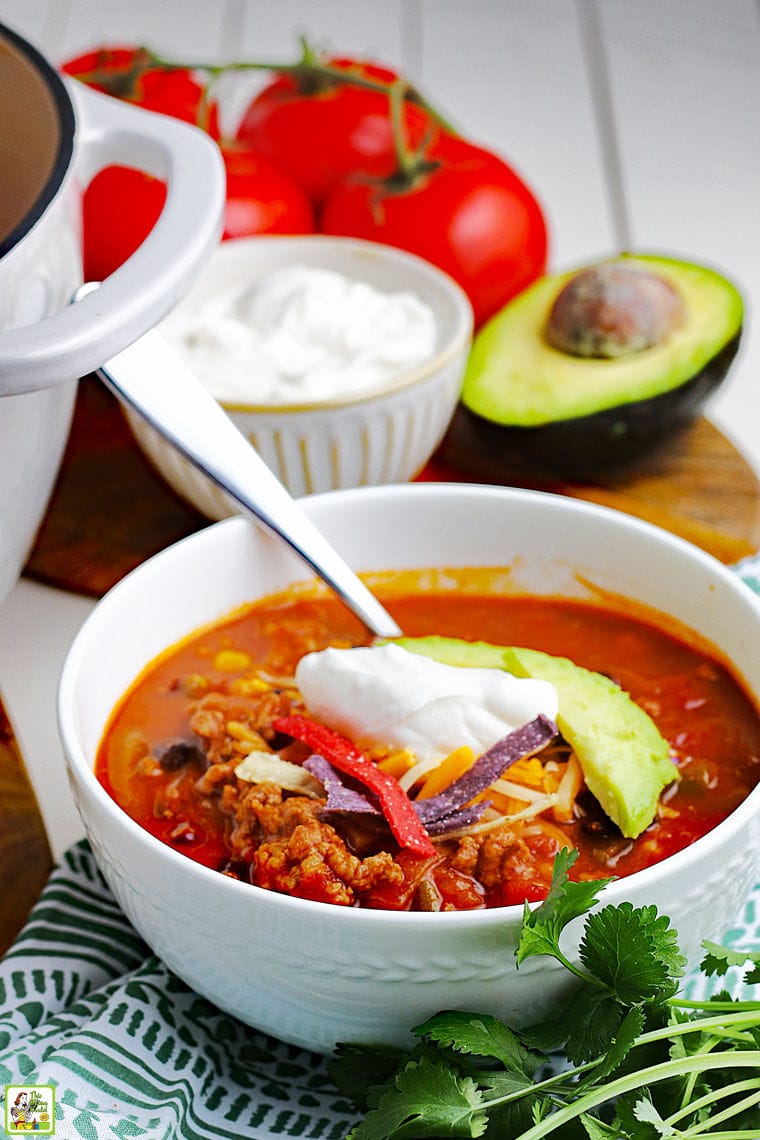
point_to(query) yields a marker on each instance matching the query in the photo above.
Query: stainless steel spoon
(152, 378)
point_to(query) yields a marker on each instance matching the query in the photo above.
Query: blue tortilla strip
(523, 742)
(339, 796)
(464, 817)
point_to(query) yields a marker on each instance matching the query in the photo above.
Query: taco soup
(441, 772)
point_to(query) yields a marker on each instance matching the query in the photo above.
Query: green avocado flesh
(626, 762)
(515, 377)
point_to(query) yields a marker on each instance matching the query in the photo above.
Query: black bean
(179, 753)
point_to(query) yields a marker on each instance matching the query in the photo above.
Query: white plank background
(638, 125)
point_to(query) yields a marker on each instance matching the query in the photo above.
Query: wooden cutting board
(110, 510)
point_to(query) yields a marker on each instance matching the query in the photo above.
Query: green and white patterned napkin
(132, 1052)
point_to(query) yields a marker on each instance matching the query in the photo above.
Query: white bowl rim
(508, 916)
(459, 333)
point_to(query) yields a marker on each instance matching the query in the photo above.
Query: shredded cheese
(529, 812)
(268, 768)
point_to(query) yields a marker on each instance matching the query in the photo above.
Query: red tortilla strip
(396, 806)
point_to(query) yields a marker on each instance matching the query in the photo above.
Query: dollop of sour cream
(385, 696)
(301, 335)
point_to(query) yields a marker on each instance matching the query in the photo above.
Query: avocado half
(546, 412)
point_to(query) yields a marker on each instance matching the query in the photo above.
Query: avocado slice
(625, 760)
(548, 411)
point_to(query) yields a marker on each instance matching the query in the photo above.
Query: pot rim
(67, 124)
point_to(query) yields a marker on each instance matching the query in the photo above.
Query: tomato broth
(169, 754)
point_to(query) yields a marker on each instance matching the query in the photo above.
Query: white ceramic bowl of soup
(322, 437)
(314, 974)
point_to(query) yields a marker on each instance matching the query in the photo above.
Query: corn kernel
(231, 661)
(249, 686)
(239, 731)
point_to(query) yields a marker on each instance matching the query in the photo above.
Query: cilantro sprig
(639, 1061)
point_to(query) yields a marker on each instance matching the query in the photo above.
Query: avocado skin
(609, 442)
(625, 761)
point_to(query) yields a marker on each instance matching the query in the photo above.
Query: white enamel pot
(55, 134)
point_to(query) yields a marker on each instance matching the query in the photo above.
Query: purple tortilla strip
(465, 817)
(344, 799)
(523, 742)
(339, 796)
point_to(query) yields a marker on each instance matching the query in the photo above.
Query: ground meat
(231, 725)
(251, 804)
(494, 857)
(296, 853)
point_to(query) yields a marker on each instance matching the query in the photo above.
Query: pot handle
(136, 296)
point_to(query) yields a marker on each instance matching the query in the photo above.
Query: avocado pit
(614, 310)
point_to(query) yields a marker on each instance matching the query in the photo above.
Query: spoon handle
(152, 378)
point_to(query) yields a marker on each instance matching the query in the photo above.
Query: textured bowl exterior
(384, 437)
(384, 440)
(313, 974)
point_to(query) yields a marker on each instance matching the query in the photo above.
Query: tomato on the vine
(261, 198)
(129, 73)
(120, 207)
(321, 130)
(345, 137)
(461, 208)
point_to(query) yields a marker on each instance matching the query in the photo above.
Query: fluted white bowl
(385, 435)
(314, 974)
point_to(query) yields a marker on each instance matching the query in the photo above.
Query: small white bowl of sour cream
(340, 360)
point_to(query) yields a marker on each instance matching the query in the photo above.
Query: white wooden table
(636, 121)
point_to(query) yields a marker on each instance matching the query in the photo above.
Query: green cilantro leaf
(597, 1021)
(470, 1075)
(629, 1112)
(646, 1112)
(481, 1035)
(356, 1070)
(515, 1116)
(623, 1041)
(598, 1130)
(564, 902)
(720, 996)
(427, 1099)
(633, 952)
(585, 1027)
(718, 960)
(684, 1044)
